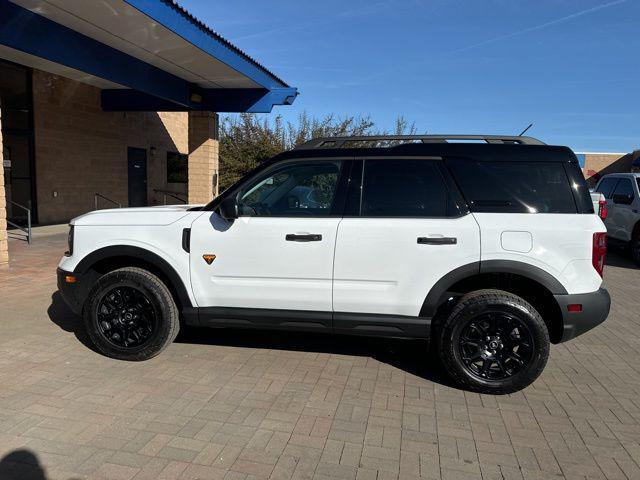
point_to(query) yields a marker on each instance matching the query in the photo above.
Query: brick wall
(81, 150)
(599, 164)
(4, 252)
(203, 157)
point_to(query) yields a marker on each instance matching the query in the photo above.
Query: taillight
(602, 209)
(599, 251)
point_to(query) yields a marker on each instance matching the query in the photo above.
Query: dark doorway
(137, 159)
(17, 142)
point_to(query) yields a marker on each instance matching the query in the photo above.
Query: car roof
(621, 175)
(473, 151)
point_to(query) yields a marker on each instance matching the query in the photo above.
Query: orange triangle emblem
(209, 258)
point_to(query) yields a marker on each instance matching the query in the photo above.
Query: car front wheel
(494, 342)
(130, 314)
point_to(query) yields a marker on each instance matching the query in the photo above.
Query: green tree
(246, 139)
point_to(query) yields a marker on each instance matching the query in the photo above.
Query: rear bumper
(595, 309)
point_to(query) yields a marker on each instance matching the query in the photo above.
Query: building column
(4, 244)
(203, 157)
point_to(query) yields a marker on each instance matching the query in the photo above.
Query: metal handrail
(27, 230)
(167, 193)
(99, 195)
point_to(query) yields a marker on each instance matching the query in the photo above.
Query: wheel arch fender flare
(437, 294)
(144, 255)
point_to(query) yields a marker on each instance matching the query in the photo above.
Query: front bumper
(595, 309)
(71, 292)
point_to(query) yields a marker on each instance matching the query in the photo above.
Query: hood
(137, 216)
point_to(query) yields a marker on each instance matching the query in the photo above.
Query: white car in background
(622, 194)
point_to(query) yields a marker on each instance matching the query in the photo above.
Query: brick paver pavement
(222, 404)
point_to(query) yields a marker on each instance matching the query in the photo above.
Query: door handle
(437, 240)
(303, 237)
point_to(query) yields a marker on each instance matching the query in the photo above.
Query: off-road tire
(472, 306)
(166, 316)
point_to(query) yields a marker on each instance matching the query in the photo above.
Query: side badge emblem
(209, 258)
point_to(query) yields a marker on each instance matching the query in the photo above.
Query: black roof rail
(339, 142)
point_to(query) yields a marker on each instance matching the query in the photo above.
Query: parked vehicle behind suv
(622, 194)
(491, 250)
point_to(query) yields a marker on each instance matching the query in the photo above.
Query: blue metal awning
(145, 55)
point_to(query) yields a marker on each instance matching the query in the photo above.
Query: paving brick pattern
(233, 405)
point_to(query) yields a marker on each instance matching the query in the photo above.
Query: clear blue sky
(572, 67)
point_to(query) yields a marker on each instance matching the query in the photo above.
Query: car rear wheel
(130, 314)
(494, 342)
(634, 247)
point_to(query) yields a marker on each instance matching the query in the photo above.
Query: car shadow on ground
(412, 356)
(60, 314)
(619, 257)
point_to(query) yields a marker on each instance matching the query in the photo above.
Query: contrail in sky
(541, 26)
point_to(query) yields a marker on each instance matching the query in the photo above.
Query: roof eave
(175, 18)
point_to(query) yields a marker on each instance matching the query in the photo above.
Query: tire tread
(490, 296)
(171, 316)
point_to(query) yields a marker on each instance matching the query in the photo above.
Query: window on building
(177, 167)
(514, 187)
(403, 188)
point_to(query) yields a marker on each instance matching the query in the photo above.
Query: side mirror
(229, 208)
(623, 198)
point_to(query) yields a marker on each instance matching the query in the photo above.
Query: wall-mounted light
(152, 151)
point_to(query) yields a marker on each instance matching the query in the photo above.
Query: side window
(305, 188)
(606, 186)
(514, 187)
(403, 188)
(623, 192)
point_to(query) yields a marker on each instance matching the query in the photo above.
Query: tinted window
(624, 187)
(295, 189)
(605, 187)
(514, 187)
(403, 188)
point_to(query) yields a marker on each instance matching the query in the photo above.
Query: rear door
(403, 230)
(621, 216)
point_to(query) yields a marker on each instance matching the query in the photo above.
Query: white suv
(622, 193)
(491, 250)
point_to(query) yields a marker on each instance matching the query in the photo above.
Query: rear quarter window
(514, 187)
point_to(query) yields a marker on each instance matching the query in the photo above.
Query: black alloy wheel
(495, 345)
(126, 318)
(130, 314)
(493, 341)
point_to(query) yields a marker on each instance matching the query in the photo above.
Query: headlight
(69, 252)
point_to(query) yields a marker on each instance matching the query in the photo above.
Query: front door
(137, 174)
(279, 253)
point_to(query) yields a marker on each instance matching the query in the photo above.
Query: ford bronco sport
(487, 245)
